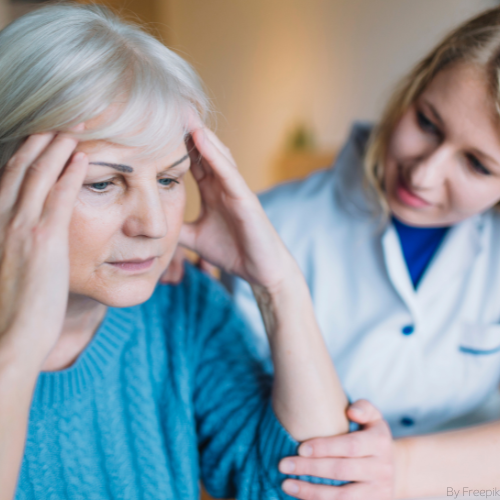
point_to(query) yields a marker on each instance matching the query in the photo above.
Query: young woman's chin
(414, 217)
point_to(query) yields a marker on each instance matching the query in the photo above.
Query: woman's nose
(432, 170)
(147, 216)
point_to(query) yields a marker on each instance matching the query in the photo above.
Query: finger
(363, 443)
(194, 122)
(223, 149)
(175, 270)
(173, 274)
(196, 161)
(14, 171)
(42, 175)
(219, 164)
(61, 199)
(188, 235)
(343, 469)
(363, 412)
(310, 491)
(206, 267)
(212, 165)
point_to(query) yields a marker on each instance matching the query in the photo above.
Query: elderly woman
(112, 386)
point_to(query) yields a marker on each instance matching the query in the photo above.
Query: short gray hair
(65, 64)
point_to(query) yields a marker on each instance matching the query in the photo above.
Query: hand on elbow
(365, 458)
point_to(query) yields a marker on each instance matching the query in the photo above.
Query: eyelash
(427, 126)
(477, 165)
(92, 188)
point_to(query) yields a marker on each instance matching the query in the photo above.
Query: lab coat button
(407, 330)
(407, 421)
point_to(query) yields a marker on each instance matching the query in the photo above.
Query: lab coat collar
(351, 191)
(455, 255)
(397, 269)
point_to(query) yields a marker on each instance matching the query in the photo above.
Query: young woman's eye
(425, 124)
(168, 182)
(477, 165)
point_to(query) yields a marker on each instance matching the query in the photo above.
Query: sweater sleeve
(240, 439)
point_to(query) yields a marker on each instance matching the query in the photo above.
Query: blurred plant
(301, 138)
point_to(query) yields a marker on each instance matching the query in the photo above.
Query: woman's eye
(477, 165)
(167, 182)
(425, 124)
(99, 186)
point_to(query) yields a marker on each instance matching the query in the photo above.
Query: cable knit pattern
(166, 393)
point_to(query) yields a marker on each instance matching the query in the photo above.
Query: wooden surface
(205, 495)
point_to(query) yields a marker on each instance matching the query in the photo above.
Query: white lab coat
(422, 357)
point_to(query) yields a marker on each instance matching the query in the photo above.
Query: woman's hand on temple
(38, 189)
(233, 231)
(365, 457)
(234, 234)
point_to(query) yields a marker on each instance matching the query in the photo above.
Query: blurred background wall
(275, 65)
(288, 77)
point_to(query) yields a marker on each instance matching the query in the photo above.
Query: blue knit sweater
(166, 393)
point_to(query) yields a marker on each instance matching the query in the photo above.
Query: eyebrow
(127, 169)
(178, 162)
(434, 112)
(485, 156)
(116, 166)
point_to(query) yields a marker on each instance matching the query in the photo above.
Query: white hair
(65, 64)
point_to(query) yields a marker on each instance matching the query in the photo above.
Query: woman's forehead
(110, 151)
(460, 98)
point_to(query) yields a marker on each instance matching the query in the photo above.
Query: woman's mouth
(408, 197)
(134, 265)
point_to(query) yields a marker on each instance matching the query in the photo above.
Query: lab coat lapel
(397, 269)
(455, 255)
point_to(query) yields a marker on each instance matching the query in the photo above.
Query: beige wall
(272, 63)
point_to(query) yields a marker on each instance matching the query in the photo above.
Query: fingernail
(306, 450)
(290, 487)
(79, 156)
(357, 410)
(287, 466)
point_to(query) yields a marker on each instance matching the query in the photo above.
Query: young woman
(112, 387)
(400, 245)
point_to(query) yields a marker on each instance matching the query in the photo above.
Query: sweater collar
(100, 355)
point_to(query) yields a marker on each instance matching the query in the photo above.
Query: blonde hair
(65, 64)
(477, 41)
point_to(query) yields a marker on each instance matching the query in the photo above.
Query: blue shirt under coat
(419, 245)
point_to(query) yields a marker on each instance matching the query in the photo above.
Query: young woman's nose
(431, 171)
(146, 216)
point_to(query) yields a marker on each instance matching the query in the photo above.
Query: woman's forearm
(307, 396)
(16, 391)
(435, 464)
